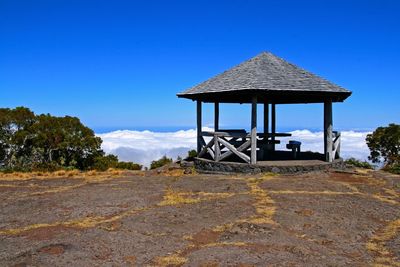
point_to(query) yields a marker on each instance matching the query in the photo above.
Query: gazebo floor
(290, 163)
(280, 155)
(283, 162)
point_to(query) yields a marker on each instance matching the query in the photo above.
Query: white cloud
(144, 146)
(352, 143)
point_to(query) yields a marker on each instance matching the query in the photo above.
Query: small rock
(276, 170)
(187, 171)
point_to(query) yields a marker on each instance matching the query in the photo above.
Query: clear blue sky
(119, 64)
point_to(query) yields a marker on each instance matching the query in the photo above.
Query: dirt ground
(172, 219)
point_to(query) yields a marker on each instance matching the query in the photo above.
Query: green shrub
(6, 170)
(357, 163)
(161, 162)
(69, 168)
(192, 153)
(129, 166)
(48, 166)
(103, 163)
(394, 168)
(41, 167)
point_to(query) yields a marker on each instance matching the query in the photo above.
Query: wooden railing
(225, 144)
(336, 144)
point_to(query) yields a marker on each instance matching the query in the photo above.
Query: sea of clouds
(145, 146)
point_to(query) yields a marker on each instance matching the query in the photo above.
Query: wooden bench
(295, 147)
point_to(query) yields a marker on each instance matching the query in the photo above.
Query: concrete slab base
(277, 166)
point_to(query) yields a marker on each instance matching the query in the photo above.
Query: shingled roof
(271, 79)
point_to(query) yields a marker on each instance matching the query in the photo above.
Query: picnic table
(236, 141)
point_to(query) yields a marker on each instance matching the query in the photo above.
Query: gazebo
(269, 80)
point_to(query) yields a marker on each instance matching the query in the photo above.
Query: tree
(65, 141)
(29, 142)
(384, 145)
(14, 125)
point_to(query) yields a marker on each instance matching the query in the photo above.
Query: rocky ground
(177, 219)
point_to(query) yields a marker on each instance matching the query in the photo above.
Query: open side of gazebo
(268, 80)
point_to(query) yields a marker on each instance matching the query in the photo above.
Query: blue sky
(119, 64)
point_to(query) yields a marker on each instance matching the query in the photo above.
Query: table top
(242, 133)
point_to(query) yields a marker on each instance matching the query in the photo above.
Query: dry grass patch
(22, 176)
(87, 222)
(171, 260)
(226, 244)
(263, 204)
(131, 260)
(377, 245)
(172, 198)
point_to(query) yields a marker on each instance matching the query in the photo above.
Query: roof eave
(284, 97)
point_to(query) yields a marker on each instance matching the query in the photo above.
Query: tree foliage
(129, 166)
(103, 163)
(192, 153)
(29, 141)
(384, 145)
(161, 162)
(357, 163)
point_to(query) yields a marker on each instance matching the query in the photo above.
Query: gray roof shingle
(266, 75)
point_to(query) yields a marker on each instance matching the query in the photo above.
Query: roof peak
(265, 74)
(266, 53)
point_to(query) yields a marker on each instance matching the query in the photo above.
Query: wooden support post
(328, 142)
(199, 119)
(217, 150)
(253, 158)
(216, 116)
(264, 148)
(266, 119)
(273, 125)
(338, 150)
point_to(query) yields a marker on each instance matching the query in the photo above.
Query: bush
(394, 168)
(161, 162)
(39, 167)
(104, 163)
(46, 167)
(6, 170)
(129, 166)
(360, 164)
(192, 153)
